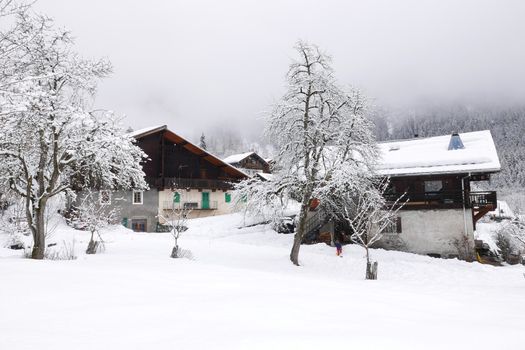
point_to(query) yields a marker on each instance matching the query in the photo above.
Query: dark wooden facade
(253, 162)
(442, 192)
(175, 162)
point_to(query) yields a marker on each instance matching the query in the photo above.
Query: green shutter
(176, 197)
(227, 197)
(125, 222)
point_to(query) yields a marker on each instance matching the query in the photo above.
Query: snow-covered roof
(431, 155)
(265, 176)
(148, 130)
(236, 158)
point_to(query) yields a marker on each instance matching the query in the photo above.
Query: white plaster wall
(193, 195)
(433, 232)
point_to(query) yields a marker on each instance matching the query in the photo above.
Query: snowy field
(241, 292)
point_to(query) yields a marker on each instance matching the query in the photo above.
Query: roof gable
(177, 139)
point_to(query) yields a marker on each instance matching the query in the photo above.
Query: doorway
(205, 200)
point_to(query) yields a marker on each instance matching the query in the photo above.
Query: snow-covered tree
(202, 142)
(368, 215)
(263, 200)
(50, 139)
(323, 135)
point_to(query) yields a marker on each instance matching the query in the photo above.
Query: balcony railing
(445, 199)
(169, 205)
(173, 182)
(483, 199)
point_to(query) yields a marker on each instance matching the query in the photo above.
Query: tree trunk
(371, 270)
(92, 247)
(294, 254)
(175, 252)
(39, 235)
(298, 237)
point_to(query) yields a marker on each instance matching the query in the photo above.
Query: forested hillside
(506, 124)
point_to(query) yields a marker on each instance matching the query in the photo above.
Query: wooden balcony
(181, 183)
(483, 199)
(446, 200)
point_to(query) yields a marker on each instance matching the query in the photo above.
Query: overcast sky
(195, 64)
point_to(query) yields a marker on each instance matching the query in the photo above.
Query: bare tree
(368, 215)
(94, 215)
(177, 219)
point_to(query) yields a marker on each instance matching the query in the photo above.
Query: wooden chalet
(250, 163)
(176, 162)
(439, 178)
(180, 175)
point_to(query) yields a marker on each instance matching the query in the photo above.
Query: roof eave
(455, 172)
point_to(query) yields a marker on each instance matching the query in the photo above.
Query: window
(433, 186)
(137, 197)
(104, 197)
(191, 205)
(227, 197)
(394, 226)
(139, 225)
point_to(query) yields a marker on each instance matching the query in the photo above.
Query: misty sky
(196, 64)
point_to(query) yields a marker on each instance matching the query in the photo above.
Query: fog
(196, 65)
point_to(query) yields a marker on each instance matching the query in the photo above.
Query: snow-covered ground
(241, 292)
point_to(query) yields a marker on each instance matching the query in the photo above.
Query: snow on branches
(50, 140)
(323, 134)
(368, 215)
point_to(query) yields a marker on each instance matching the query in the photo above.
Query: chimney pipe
(455, 142)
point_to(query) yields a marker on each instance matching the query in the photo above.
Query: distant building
(436, 175)
(250, 163)
(179, 174)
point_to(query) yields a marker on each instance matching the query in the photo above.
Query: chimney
(455, 142)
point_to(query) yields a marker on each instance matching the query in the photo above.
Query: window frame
(141, 197)
(428, 186)
(394, 227)
(102, 194)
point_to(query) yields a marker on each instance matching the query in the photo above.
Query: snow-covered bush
(510, 240)
(63, 251)
(13, 222)
(260, 200)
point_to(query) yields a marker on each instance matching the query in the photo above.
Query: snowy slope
(241, 292)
